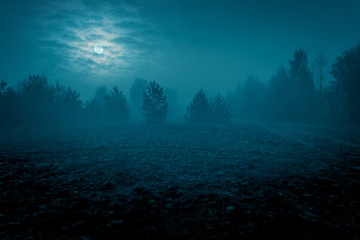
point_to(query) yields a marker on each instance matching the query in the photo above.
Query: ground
(268, 180)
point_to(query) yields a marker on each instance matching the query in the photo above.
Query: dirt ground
(269, 181)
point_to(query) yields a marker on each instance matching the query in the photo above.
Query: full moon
(99, 49)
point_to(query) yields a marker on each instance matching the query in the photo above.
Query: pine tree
(220, 111)
(199, 110)
(155, 104)
(303, 86)
(300, 73)
(280, 99)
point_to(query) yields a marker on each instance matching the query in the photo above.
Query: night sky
(184, 44)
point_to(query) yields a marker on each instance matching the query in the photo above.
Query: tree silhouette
(37, 88)
(174, 109)
(69, 104)
(93, 112)
(6, 91)
(136, 98)
(280, 97)
(100, 95)
(199, 110)
(303, 86)
(116, 105)
(234, 98)
(38, 101)
(334, 102)
(253, 95)
(8, 105)
(154, 104)
(321, 71)
(220, 111)
(346, 70)
(299, 72)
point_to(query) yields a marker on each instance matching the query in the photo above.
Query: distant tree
(220, 111)
(136, 98)
(235, 98)
(8, 105)
(154, 104)
(303, 86)
(100, 95)
(93, 112)
(174, 109)
(71, 99)
(6, 91)
(2, 87)
(116, 105)
(320, 68)
(253, 95)
(300, 74)
(37, 88)
(280, 98)
(346, 70)
(68, 103)
(199, 110)
(37, 100)
(280, 83)
(334, 102)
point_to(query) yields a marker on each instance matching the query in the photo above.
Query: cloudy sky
(184, 44)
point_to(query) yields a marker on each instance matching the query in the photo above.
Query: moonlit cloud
(185, 44)
(71, 30)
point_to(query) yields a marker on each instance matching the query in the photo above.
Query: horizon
(229, 119)
(182, 45)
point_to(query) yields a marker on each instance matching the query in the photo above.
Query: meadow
(258, 180)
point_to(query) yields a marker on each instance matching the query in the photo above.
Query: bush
(201, 110)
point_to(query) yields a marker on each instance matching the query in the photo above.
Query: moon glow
(98, 49)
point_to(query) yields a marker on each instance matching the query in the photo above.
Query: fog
(188, 119)
(301, 92)
(182, 45)
(262, 58)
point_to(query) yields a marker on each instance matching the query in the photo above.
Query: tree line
(299, 93)
(304, 92)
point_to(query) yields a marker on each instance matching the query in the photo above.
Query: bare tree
(199, 110)
(320, 69)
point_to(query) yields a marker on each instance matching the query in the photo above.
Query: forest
(302, 92)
